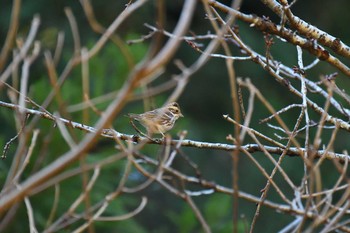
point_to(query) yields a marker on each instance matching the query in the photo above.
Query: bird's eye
(174, 110)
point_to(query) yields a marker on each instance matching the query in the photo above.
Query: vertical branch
(11, 33)
(32, 228)
(56, 87)
(75, 31)
(309, 178)
(23, 50)
(59, 47)
(236, 113)
(304, 97)
(25, 74)
(85, 97)
(85, 81)
(54, 206)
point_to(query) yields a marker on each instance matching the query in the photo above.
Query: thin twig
(126, 216)
(8, 144)
(23, 50)
(109, 133)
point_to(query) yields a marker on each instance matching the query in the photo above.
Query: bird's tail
(134, 116)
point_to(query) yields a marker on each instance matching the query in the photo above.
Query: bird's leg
(137, 129)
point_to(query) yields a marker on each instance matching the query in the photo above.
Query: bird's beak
(181, 115)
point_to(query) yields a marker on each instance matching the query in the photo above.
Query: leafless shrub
(310, 202)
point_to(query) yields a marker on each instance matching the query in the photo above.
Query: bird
(159, 120)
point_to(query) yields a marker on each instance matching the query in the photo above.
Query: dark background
(204, 101)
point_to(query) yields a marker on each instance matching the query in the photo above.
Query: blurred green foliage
(204, 101)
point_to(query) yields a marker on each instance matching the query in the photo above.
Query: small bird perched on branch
(159, 120)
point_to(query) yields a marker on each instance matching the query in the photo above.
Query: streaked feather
(159, 120)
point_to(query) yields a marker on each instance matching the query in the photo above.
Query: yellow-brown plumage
(159, 120)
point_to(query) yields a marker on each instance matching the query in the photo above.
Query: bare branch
(23, 50)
